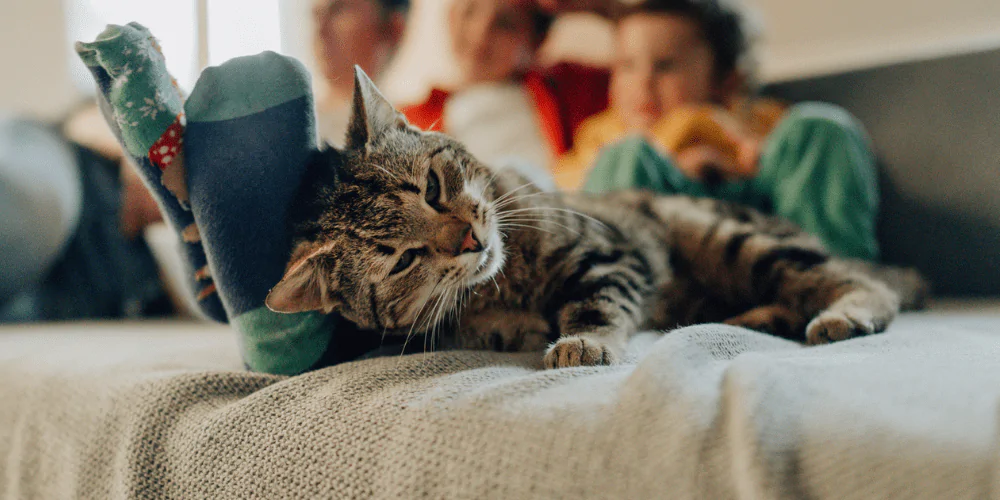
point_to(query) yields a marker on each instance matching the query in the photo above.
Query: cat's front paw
(832, 326)
(579, 351)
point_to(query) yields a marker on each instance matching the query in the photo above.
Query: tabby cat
(404, 232)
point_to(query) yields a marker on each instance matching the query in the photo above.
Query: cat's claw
(578, 351)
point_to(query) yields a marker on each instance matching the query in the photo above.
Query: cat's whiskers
(465, 295)
(489, 182)
(557, 209)
(449, 286)
(382, 339)
(443, 315)
(516, 227)
(508, 221)
(543, 209)
(511, 192)
(542, 222)
(437, 302)
(450, 311)
(427, 334)
(524, 217)
(439, 309)
(499, 200)
(509, 201)
(505, 210)
(416, 319)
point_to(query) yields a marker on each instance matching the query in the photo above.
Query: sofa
(166, 410)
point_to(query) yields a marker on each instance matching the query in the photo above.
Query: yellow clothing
(681, 129)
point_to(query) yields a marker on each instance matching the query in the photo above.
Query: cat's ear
(303, 288)
(372, 114)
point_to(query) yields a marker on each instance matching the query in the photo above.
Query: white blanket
(706, 412)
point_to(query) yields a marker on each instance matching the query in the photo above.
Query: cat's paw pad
(831, 326)
(578, 351)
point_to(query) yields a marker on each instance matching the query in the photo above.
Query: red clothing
(564, 96)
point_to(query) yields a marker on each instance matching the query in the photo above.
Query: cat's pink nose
(470, 243)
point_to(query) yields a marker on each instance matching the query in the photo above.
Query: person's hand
(703, 163)
(748, 156)
(707, 164)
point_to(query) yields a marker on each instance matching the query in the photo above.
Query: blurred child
(679, 101)
(506, 106)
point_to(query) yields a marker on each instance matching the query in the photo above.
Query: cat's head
(395, 222)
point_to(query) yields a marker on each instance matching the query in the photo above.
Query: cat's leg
(775, 319)
(760, 264)
(503, 331)
(682, 302)
(595, 334)
(598, 308)
(851, 303)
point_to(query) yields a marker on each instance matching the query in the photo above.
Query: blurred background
(72, 240)
(803, 38)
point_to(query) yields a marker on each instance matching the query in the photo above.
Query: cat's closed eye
(405, 260)
(432, 194)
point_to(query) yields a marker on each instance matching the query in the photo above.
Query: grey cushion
(936, 128)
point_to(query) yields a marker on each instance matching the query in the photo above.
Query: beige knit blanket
(163, 411)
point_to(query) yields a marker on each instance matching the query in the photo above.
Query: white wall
(808, 37)
(803, 37)
(33, 55)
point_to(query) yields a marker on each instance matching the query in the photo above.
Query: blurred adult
(68, 232)
(349, 32)
(506, 106)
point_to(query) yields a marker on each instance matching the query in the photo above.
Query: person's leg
(40, 199)
(145, 109)
(818, 170)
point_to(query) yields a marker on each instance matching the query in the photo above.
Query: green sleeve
(818, 170)
(634, 163)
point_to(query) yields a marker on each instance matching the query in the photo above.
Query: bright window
(242, 27)
(192, 33)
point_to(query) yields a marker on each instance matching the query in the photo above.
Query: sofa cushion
(157, 411)
(936, 129)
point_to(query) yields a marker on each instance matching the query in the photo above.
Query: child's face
(491, 39)
(663, 62)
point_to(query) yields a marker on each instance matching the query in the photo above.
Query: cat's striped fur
(404, 232)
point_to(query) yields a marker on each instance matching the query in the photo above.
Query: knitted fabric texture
(704, 412)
